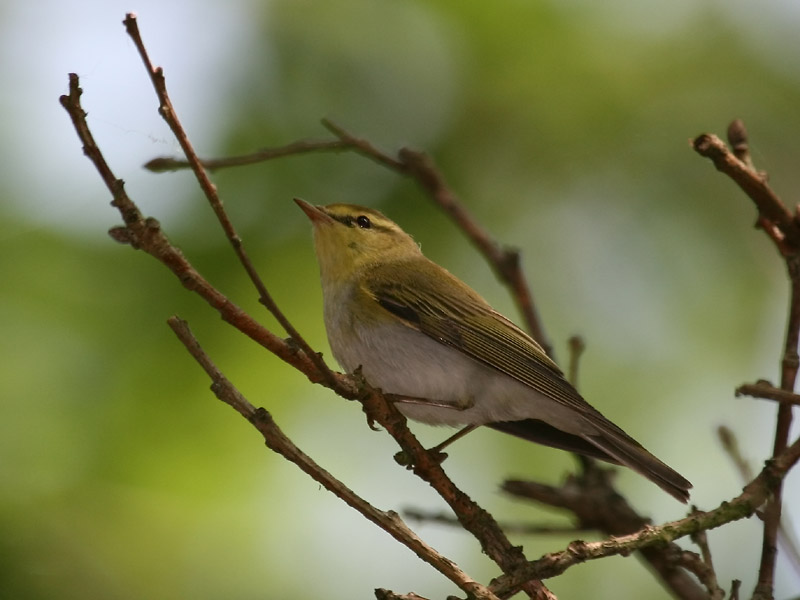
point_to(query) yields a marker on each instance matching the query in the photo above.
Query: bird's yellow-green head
(349, 238)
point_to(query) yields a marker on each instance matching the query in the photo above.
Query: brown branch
(167, 111)
(146, 235)
(382, 594)
(576, 348)
(418, 166)
(596, 505)
(442, 518)
(731, 446)
(504, 261)
(765, 390)
(754, 495)
(785, 536)
(772, 512)
(784, 230)
(703, 565)
(735, 585)
(167, 163)
(751, 182)
(277, 441)
(472, 517)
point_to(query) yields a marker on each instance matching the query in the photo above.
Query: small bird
(422, 335)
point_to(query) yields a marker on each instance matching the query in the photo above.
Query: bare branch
(783, 229)
(167, 111)
(704, 568)
(754, 495)
(786, 528)
(167, 163)
(145, 234)
(765, 390)
(504, 261)
(382, 594)
(576, 348)
(596, 505)
(751, 182)
(517, 528)
(277, 441)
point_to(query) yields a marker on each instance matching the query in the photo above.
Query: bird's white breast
(403, 361)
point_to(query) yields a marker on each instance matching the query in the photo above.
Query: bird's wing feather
(432, 301)
(458, 317)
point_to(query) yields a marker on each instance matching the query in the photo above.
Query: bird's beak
(315, 213)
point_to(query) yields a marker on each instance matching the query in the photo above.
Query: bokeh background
(564, 127)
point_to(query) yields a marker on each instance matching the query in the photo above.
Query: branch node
(121, 235)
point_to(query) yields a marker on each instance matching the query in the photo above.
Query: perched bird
(424, 336)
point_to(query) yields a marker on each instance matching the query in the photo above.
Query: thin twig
(765, 390)
(704, 568)
(418, 166)
(576, 349)
(167, 163)
(277, 441)
(786, 528)
(744, 505)
(784, 230)
(443, 518)
(592, 499)
(145, 234)
(731, 446)
(504, 261)
(383, 594)
(167, 111)
(751, 182)
(735, 585)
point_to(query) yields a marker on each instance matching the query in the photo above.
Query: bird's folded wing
(459, 318)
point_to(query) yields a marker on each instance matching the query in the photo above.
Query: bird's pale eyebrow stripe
(350, 221)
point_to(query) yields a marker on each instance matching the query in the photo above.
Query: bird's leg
(456, 436)
(436, 451)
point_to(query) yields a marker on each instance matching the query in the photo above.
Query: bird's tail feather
(613, 446)
(625, 450)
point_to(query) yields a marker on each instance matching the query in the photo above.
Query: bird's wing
(432, 301)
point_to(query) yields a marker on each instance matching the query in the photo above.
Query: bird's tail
(612, 445)
(626, 451)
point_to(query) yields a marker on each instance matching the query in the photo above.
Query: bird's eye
(363, 222)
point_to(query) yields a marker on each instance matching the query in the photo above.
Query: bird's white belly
(443, 385)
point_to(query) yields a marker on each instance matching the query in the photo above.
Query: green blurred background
(562, 125)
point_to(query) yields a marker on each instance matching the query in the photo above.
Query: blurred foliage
(564, 128)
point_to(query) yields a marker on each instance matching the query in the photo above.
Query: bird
(425, 337)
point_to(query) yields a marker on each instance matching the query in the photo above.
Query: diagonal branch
(418, 166)
(754, 495)
(277, 441)
(167, 111)
(145, 234)
(765, 390)
(751, 182)
(783, 229)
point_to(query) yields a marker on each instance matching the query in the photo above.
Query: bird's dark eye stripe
(363, 221)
